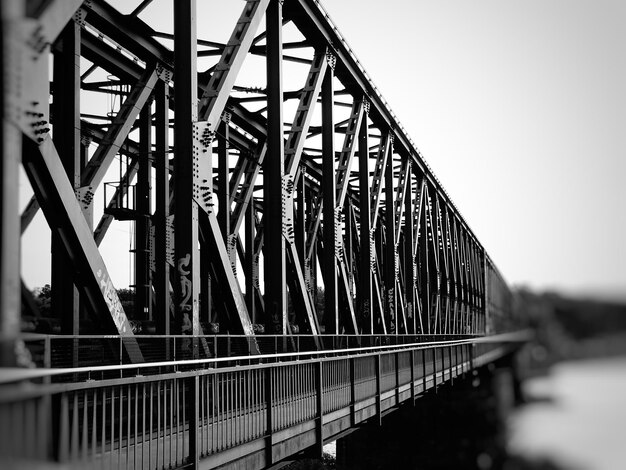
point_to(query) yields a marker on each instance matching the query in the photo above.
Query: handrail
(260, 336)
(11, 375)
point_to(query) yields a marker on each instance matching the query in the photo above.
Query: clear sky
(519, 106)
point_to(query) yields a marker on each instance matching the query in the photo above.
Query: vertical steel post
(143, 275)
(485, 290)
(273, 165)
(409, 259)
(193, 410)
(319, 400)
(365, 275)
(223, 216)
(162, 211)
(187, 253)
(10, 145)
(424, 256)
(66, 123)
(390, 245)
(329, 263)
(269, 458)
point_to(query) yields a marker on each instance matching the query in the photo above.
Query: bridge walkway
(246, 415)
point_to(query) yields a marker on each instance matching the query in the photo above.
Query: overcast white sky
(519, 106)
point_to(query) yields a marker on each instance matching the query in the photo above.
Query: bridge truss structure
(257, 170)
(271, 190)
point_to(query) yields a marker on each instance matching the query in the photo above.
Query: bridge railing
(84, 350)
(172, 414)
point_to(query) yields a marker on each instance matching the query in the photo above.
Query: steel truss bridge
(298, 269)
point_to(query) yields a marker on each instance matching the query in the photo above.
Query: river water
(575, 418)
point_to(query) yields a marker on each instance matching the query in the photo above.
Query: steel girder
(67, 139)
(393, 251)
(64, 214)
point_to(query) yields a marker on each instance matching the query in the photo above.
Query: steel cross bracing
(258, 181)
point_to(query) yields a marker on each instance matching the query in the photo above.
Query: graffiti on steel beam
(366, 309)
(185, 283)
(391, 304)
(113, 302)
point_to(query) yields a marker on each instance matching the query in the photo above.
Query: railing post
(378, 393)
(412, 376)
(352, 393)
(435, 368)
(270, 424)
(462, 361)
(397, 363)
(319, 428)
(424, 369)
(194, 421)
(61, 429)
(47, 354)
(443, 364)
(452, 365)
(463, 358)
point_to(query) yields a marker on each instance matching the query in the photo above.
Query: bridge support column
(10, 145)
(274, 169)
(162, 214)
(187, 253)
(329, 229)
(66, 124)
